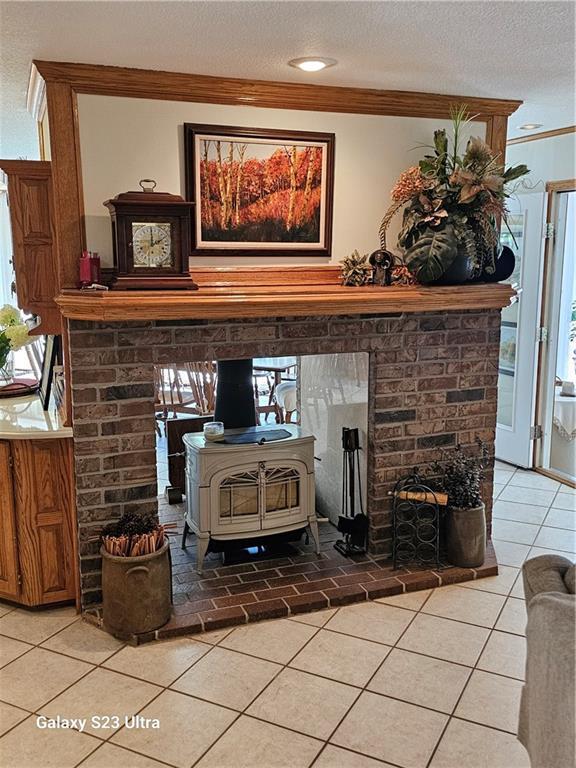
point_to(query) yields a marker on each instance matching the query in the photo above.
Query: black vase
(460, 271)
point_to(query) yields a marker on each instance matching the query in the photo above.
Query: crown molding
(542, 135)
(176, 86)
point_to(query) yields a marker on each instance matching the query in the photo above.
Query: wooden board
(278, 301)
(9, 581)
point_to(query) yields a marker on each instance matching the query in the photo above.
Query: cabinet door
(43, 489)
(32, 214)
(9, 586)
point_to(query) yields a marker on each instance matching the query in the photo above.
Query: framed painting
(259, 192)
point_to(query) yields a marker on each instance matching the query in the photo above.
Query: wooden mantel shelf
(276, 301)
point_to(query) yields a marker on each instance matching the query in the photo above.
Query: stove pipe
(235, 404)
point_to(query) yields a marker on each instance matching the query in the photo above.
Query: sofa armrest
(544, 574)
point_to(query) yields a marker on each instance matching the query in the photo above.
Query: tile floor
(428, 679)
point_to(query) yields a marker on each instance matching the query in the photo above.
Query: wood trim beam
(496, 131)
(227, 303)
(66, 178)
(543, 135)
(177, 86)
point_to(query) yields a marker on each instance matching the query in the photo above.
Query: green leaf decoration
(440, 142)
(431, 255)
(515, 172)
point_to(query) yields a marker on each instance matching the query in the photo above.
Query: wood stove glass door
(284, 494)
(236, 500)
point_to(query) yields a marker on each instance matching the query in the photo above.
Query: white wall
(552, 159)
(123, 140)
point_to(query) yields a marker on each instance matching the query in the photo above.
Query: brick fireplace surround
(432, 384)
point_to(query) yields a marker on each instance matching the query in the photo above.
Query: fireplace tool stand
(353, 526)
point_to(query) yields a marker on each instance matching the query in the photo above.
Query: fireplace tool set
(353, 525)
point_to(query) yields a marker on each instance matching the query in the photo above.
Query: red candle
(85, 271)
(94, 268)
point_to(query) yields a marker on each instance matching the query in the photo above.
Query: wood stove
(249, 490)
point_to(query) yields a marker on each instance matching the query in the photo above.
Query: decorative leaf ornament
(356, 269)
(431, 255)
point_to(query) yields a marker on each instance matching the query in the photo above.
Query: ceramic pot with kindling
(136, 591)
(466, 536)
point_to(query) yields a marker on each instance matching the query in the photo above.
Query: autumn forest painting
(260, 192)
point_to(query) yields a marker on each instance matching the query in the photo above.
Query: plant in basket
(136, 574)
(459, 474)
(453, 202)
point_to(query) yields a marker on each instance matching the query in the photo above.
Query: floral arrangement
(13, 333)
(452, 202)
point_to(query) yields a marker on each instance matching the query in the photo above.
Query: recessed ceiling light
(312, 63)
(530, 126)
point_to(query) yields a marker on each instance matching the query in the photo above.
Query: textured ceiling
(520, 49)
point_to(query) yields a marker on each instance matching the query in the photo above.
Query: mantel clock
(151, 239)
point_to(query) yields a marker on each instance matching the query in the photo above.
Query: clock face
(152, 244)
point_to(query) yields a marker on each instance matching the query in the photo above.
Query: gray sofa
(547, 709)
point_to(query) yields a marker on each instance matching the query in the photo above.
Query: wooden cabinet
(32, 217)
(37, 552)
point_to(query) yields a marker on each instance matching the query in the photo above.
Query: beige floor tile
(188, 727)
(10, 716)
(391, 730)
(444, 639)
(10, 649)
(110, 756)
(503, 476)
(522, 513)
(35, 678)
(340, 657)
(5, 608)
(536, 496)
(305, 703)
(497, 488)
(504, 654)
(491, 700)
(518, 588)
(471, 606)
(564, 500)
(335, 757)
(36, 626)
(250, 743)
(372, 621)
(537, 551)
(28, 746)
(102, 693)
(160, 663)
(315, 619)
(499, 585)
(510, 530)
(272, 640)
(413, 601)
(420, 680)
(228, 678)
(467, 745)
(554, 538)
(528, 479)
(214, 636)
(508, 553)
(513, 617)
(567, 490)
(84, 641)
(561, 518)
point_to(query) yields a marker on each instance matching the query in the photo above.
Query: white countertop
(23, 418)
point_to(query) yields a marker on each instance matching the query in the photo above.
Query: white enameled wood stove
(249, 490)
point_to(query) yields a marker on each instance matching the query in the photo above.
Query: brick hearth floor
(293, 581)
(427, 679)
